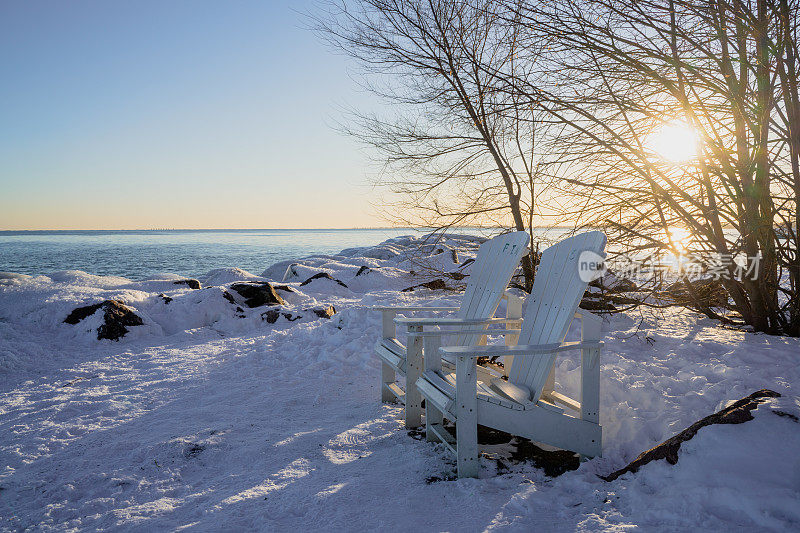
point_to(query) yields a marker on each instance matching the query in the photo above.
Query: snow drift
(210, 416)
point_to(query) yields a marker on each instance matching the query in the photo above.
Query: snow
(222, 276)
(203, 419)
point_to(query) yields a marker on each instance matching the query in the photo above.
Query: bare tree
(617, 73)
(457, 150)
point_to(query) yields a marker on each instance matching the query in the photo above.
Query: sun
(675, 142)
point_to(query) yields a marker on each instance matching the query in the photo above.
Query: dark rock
(191, 283)
(784, 414)
(458, 276)
(553, 463)
(228, 296)
(116, 318)
(363, 270)
(454, 256)
(521, 450)
(258, 294)
(284, 288)
(166, 298)
(736, 413)
(322, 275)
(324, 312)
(437, 284)
(436, 479)
(82, 312)
(271, 315)
(465, 263)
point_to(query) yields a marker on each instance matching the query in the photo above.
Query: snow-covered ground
(210, 418)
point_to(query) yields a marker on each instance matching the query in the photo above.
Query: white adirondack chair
(526, 403)
(495, 263)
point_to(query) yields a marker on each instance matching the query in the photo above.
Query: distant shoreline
(222, 230)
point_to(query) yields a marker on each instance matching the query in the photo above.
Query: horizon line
(272, 229)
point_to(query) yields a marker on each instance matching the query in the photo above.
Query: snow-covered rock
(222, 276)
(116, 318)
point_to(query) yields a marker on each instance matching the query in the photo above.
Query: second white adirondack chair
(525, 404)
(495, 263)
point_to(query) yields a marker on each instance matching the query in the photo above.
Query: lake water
(139, 254)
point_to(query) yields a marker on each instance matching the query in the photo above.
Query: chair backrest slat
(557, 292)
(495, 263)
(477, 278)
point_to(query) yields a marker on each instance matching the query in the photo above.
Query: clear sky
(174, 114)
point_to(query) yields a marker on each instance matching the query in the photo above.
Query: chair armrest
(489, 332)
(519, 350)
(412, 309)
(388, 313)
(451, 321)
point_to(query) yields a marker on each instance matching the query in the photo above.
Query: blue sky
(179, 114)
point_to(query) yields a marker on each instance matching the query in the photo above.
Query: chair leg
(433, 361)
(590, 385)
(414, 364)
(467, 417)
(387, 376)
(590, 395)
